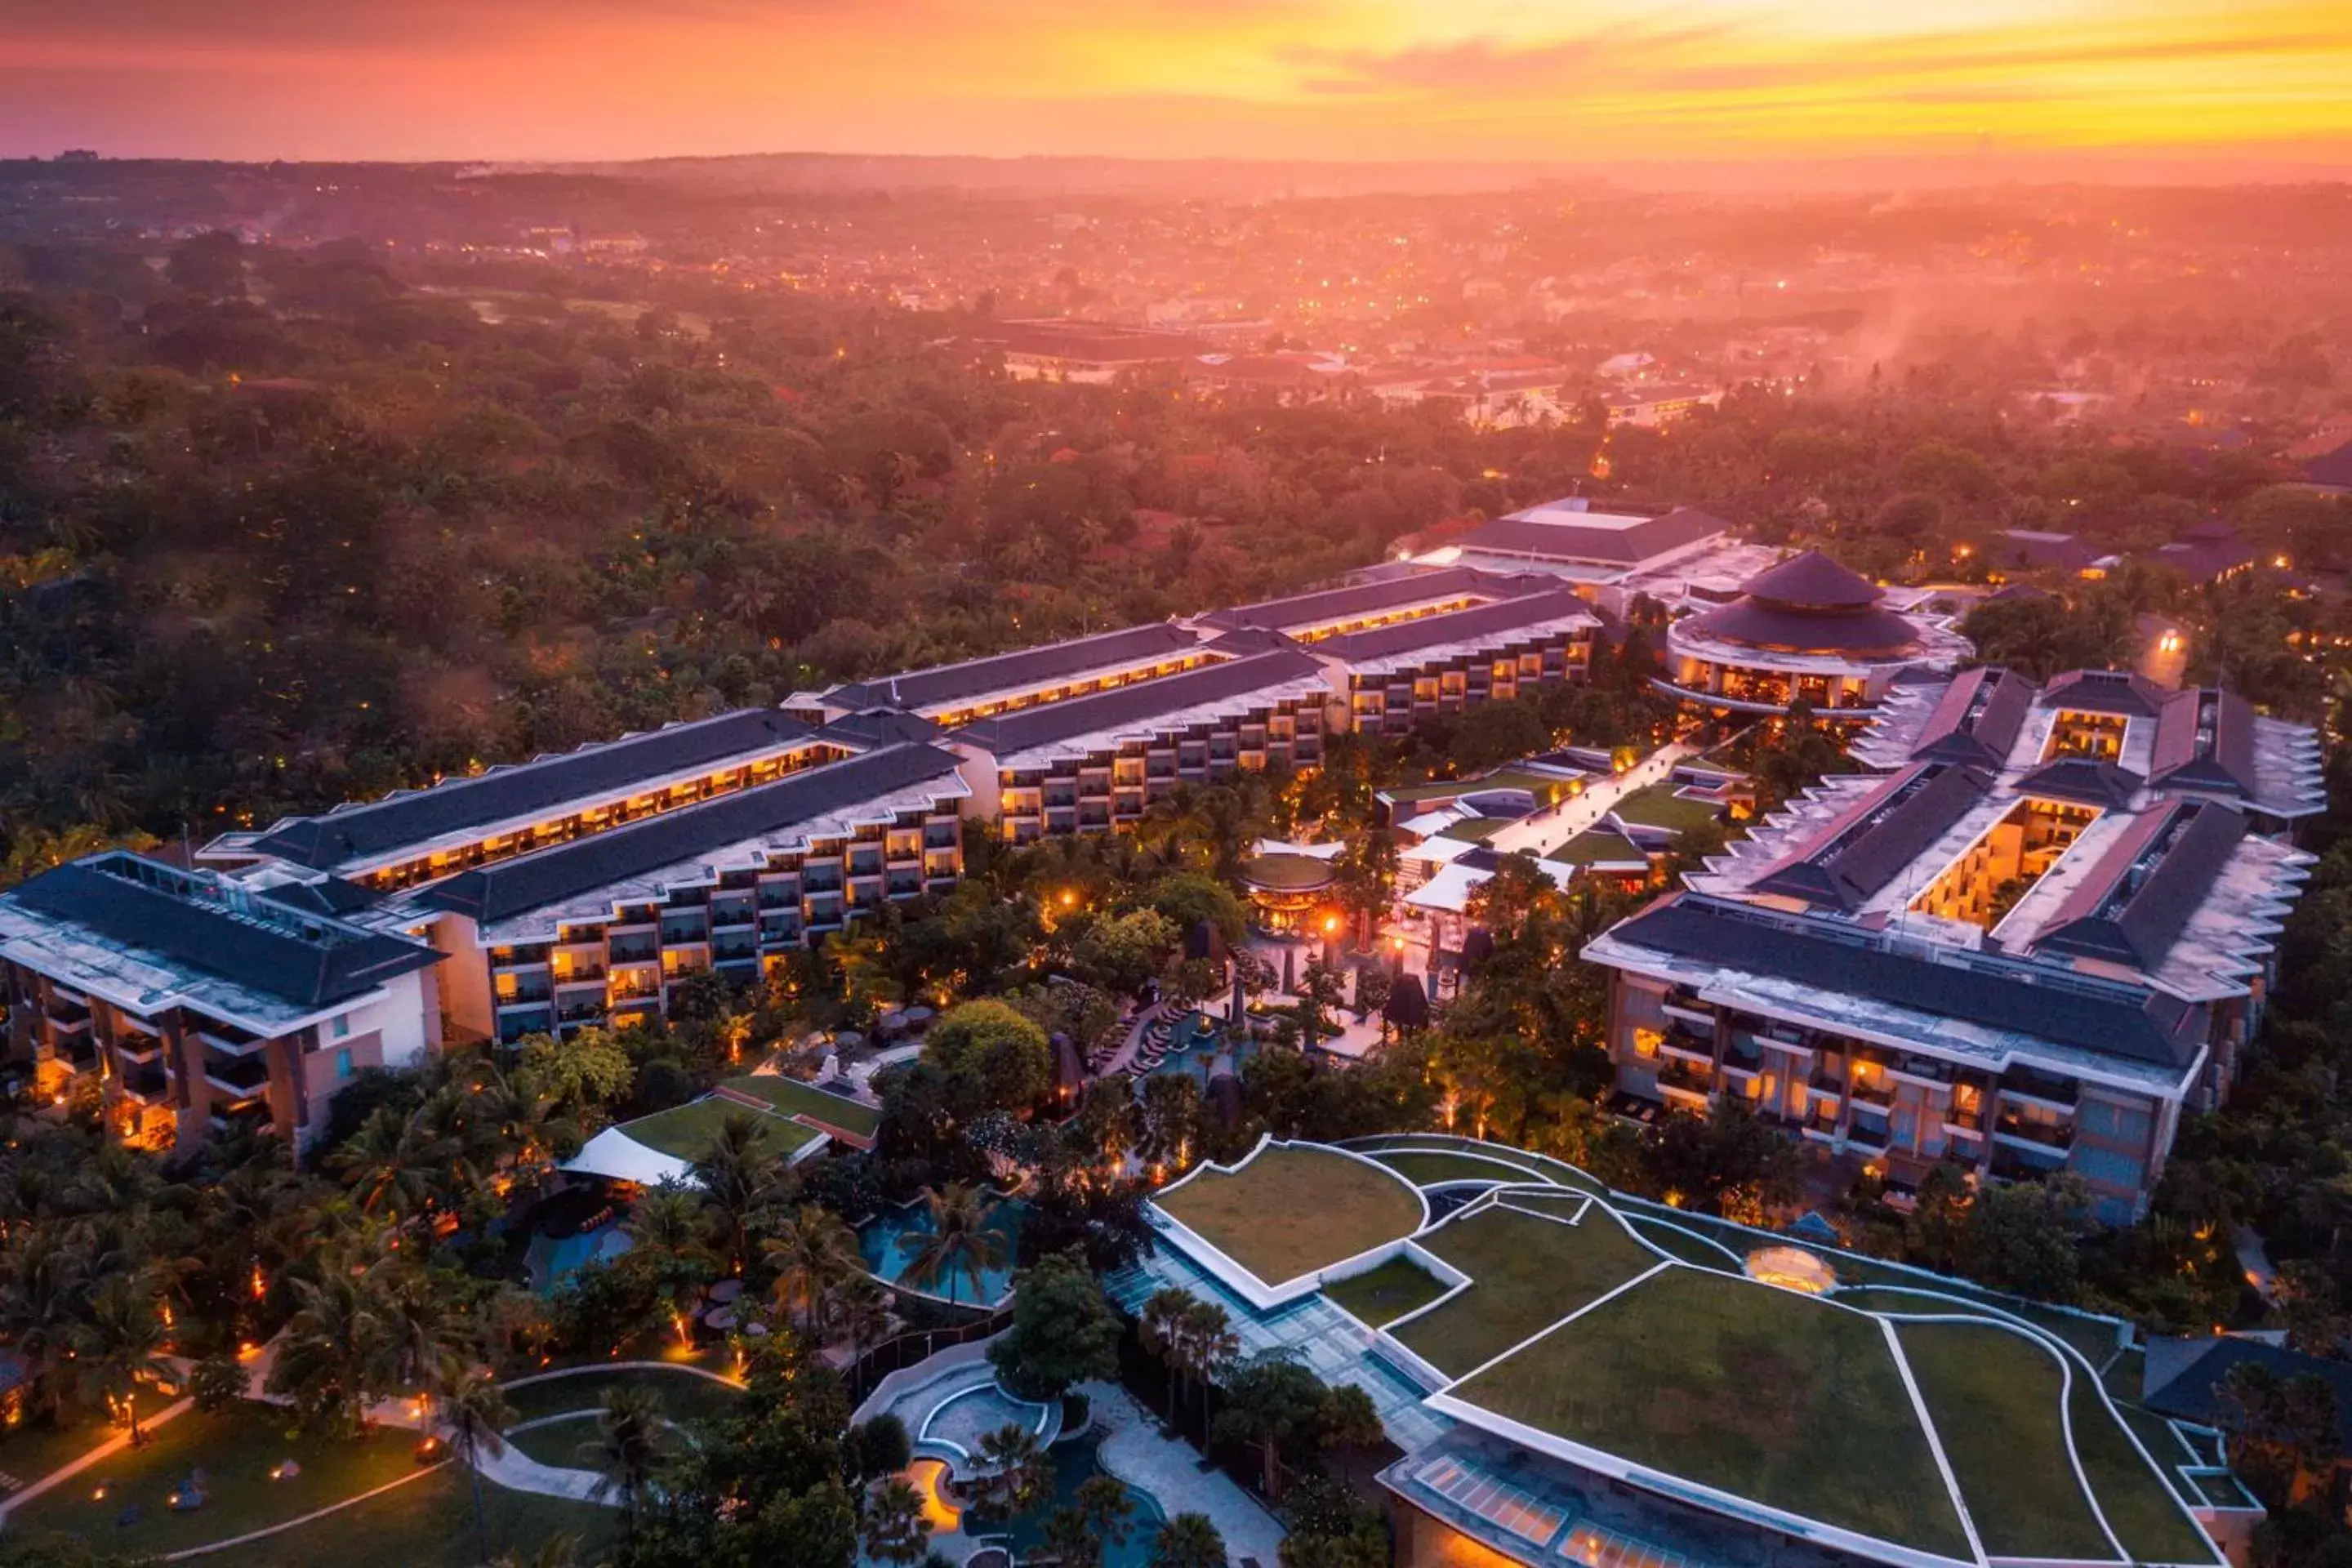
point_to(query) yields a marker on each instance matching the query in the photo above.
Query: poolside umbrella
(1240, 1001)
(1408, 1005)
(1070, 1072)
(1289, 973)
(1205, 942)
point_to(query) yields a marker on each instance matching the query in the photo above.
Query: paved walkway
(99, 1455)
(1545, 831)
(1133, 1450)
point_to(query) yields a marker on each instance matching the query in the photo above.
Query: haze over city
(1175, 784)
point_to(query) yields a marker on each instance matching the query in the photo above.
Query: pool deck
(1169, 1471)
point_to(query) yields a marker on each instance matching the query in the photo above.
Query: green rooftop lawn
(1426, 1169)
(684, 1396)
(1561, 1203)
(1657, 805)
(2092, 1339)
(1383, 1295)
(2141, 1508)
(1696, 1251)
(1597, 844)
(1475, 829)
(1543, 786)
(235, 1449)
(1761, 1392)
(1525, 1274)
(688, 1131)
(790, 1097)
(1539, 1167)
(1291, 1211)
(1997, 1401)
(429, 1523)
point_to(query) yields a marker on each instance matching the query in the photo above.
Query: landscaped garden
(1384, 1294)
(685, 1394)
(1995, 1398)
(1429, 1169)
(791, 1098)
(688, 1131)
(1526, 1273)
(124, 1505)
(1290, 1211)
(1763, 1393)
(2139, 1505)
(429, 1523)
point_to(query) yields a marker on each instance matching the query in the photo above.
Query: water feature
(887, 1261)
(1197, 1046)
(961, 1421)
(1075, 1463)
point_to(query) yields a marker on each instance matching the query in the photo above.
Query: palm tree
(815, 1255)
(44, 1278)
(1208, 1341)
(894, 1527)
(392, 1165)
(120, 1344)
(1014, 1472)
(861, 1312)
(337, 1353)
(1161, 1329)
(477, 1411)
(666, 1242)
(963, 1239)
(739, 1175)
(630, 1450)
(1187, 1540)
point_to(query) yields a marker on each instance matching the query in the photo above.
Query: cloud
(1500, 67)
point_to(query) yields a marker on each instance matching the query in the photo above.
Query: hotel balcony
(147, 1085)
(136, 1047)
(242, 1076)
(1874, 1094)
(67, 1017)
(1743, 1066)
(2056, 1094)
(640, 949)
(1685, 1078)
(1682, 1044)
(586, 1010)
(1964, 1120)
(252, 1117)
(1683, 1003)
(582, 973)
(1867, 1133)
(2034, 1134)
(1821, 1127)
(230, 1043)
(1821, 1087)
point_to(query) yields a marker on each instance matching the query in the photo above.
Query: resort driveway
(1133, 1450)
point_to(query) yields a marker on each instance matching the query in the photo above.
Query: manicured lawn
(1525, 1274)
(1657, 805)
(558, 1443)
(1543, 786)
(684, 1395)
(790, 1097)
(1997, 1401)
(1424, 1170)
(1387, 1293)
(2092, 1338)
(429, 1523)
(235, 1450)
(688, 1131)
(28, 1452)
(2139, 1505)
(1761, 1392)
(1475, 829)
(1698, 1251)
(1596, 844)
(1540, 1167)
(1291, 1211)
(1567, 1204)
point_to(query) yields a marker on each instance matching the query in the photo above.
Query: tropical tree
(476, 1412)
(1271, 1405)
(1063, 1330)
(1187, 1540)
(630, 1450)
(815, 1254)
(336, 1355)
(121, 1345)
(393, 1166)
(670, 1248)
(1208, 1341)
(963, 1240)
(893, 1528)
(1015, 1473)
(739, 1176)
(44, 1280)
(1161, 1329)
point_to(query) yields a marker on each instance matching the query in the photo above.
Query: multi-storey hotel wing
(2032, 938)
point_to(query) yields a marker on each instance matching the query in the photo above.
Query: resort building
(952, 695)
(1095, 763)
(1808, 630)
(2033, 938)
(1593, 543)
(1576, 1377)
(197, 1004)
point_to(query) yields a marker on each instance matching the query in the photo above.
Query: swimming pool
(1075, 1464)
(1195, 1050)
(887, 1261)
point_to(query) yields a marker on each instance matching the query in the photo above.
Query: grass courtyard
(1384, 1294)
(790, 1097)
(1758, 1391)
(1290, 1211)
(1659, 806)
(235, 1450)
(684, 1396)
(1525, 1274)
(429, 1523)
(688, 1131)
(1428, 1170)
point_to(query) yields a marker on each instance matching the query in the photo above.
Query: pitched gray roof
(2127, 1021)
(1023, 666)
(192, 920)
(2135, 903)
(1521, 534)
(1813, 581)
(511, 888)
(1871, 851)
(1978, 718)
(1333, 604)
(1458, 626)
(367, 832)
(1136, 705)
(2183, 1378)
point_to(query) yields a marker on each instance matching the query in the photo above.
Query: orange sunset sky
(1530, 80)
